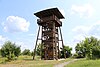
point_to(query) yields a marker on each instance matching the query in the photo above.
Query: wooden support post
(54, 43)
(56, 49)
(41, 44)
(58, 46)
(62, 42)
(36, 43)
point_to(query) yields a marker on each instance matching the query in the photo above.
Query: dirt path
(65, 63)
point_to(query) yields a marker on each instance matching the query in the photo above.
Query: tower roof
(49, 12)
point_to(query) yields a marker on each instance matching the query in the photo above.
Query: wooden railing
(50, 18)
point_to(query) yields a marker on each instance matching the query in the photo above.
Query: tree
(0, 52)
(67, 50)
(80, 50)
(38, 50)
(10, 50)
(32, 53)
(89, 48)
(26, 52)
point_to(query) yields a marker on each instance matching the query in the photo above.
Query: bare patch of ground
(65, 63)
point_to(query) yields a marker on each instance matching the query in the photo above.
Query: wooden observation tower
(49, 26)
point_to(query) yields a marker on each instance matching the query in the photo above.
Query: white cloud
(95, 29)
(24, 45)
(85, 10)
(2, 40)
(18, 43)
(15, 24)
(81, 32)
(78, 38)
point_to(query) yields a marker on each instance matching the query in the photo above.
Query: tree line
(11, 51)
(88, 48)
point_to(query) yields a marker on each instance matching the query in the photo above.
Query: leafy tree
(32, 53)
(38, 50)
(96, 52)
(80, 50)
(0, 52)
(67, 50)
(10, 50)
(26, 52)
(89, 48)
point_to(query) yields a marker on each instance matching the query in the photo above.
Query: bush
(26, 52)
(89, 48)
(10, 50)
(67, 51)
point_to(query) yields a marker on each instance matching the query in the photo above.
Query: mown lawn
(26, 61)
(85, 63)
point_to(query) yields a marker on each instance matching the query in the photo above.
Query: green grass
(2, 60)
(84, 63)
(26, 61)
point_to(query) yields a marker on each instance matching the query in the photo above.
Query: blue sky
(18, 23)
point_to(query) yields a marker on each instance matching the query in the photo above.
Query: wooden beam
(58, 46)
(62, 42)
(36, 43)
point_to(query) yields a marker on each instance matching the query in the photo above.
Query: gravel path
(65, 63)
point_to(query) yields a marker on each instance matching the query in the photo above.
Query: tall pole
(62, 42)
(36, 43)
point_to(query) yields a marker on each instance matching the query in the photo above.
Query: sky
(18, 23)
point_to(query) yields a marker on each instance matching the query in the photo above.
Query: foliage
(67, 51)
(32, 53)
(0, 52)
(89, 48)
(39, 50)
(10, 50)
(26, 52)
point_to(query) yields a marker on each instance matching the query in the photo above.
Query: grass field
(26, 61)
(84, 63)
